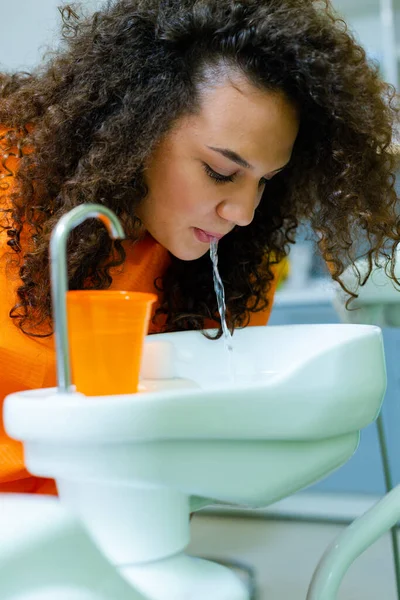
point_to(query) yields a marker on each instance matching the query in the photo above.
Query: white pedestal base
(130, 524)
(182, 577)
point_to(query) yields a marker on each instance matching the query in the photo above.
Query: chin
(187, 254)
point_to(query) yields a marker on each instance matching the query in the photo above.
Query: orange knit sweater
(29, 363)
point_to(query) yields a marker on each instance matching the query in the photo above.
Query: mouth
(207, 236)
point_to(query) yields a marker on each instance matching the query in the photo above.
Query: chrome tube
(59, 277)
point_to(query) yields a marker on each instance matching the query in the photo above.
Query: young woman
(190, 119)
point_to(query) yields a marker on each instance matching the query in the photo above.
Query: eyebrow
(239, 160)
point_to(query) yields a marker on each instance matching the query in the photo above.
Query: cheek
(178, 190)
(186, 195)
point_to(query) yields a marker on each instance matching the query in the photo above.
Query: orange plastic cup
(106, 330)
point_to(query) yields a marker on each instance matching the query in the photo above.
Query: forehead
(258, 124)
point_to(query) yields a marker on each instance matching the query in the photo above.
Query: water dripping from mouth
(220, 294)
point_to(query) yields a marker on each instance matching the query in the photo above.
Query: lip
(207, 236)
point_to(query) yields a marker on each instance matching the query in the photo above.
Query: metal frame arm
(351, 543)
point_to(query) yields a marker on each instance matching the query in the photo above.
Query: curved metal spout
(59, 277)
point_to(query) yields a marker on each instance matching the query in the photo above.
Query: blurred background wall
(29, 25)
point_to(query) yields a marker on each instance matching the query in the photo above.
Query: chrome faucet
(59, 278)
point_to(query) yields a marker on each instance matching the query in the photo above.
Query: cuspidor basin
(282, 412)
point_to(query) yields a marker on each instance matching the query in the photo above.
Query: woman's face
(207, 175)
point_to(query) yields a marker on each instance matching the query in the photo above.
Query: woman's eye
(217, 177)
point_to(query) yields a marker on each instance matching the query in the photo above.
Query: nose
(239, 209)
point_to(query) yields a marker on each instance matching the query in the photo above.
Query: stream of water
(220, 293)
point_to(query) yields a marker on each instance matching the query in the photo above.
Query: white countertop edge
(318, 291)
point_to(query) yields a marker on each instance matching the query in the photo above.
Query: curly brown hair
(126, 74)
